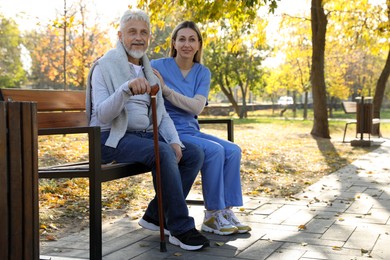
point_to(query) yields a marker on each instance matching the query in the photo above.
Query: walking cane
(153, 94)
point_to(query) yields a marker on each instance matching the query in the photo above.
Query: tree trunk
(305, 105)
(380, 91)
(318, 27)
(229, 94)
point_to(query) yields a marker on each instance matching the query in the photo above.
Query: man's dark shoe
(190, 240)
(151, 224)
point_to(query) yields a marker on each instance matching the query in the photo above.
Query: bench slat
(48, 100)
(349, 107)
(62, 119)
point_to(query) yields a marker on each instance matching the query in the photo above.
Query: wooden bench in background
(364, 119)
(63, 113)
(19, 216)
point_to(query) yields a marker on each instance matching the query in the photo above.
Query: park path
(345, 215)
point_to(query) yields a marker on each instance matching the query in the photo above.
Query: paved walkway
(343, 216)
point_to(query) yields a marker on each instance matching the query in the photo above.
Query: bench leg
(345, 129)
(95, 220)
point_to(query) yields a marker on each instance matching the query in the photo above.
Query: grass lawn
(279, 159)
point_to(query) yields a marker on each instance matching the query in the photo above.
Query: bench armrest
(68, 130)
(94, 143)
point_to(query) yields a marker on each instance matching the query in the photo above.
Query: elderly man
(118, 101)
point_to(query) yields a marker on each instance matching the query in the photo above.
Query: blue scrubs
(221, 181)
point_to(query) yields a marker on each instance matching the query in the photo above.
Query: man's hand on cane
(139, 86)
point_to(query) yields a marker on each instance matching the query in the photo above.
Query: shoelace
(221, 220)
(229, 215)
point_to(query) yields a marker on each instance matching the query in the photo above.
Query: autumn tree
(364, 35)
(12, 73)
(46, 70)
(234, 60)
(85, 44)
(293, 74)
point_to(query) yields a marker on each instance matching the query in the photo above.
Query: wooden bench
(19, 216)
(364, 118)
(63, 113)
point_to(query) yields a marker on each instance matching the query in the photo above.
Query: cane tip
(163, 246)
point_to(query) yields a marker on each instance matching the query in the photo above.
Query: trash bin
(364, 115)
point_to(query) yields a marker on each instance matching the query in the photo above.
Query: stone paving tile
(338, 232)
(133, 250)
(359, 207)
(381, 248)
(81, 245)
(281, 214)
(267, 209)
(321, 252)
(286, 254)
(357, 188)
(362, 238)
(44, 257)
(373, 217)
(301, 217)
(118, 229)
(123, 241)
(260, 250)
(318, 226)
(301, 237)
(67, 252)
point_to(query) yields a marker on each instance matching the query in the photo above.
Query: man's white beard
(135, 54)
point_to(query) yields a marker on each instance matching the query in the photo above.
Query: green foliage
(12, 73)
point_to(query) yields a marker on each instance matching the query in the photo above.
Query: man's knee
(193, 153)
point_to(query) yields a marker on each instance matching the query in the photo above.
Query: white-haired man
(118, 101)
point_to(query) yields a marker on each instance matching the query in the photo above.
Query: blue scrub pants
(176, 178)
(221, 180)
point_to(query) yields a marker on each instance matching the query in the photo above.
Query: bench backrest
(56, 108)
(349, 107)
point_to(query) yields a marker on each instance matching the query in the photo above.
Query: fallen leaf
(219, 243)
(53, 226)
(301, 227)
(43, 227)
(50, 238)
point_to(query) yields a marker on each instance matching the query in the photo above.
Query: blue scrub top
(197, 82)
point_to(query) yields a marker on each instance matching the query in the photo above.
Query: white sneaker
(218, 224)
(231, 217)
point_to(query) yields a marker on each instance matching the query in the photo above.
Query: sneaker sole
(216, 231)
(152, 227)
(243, 231)
(174, 241)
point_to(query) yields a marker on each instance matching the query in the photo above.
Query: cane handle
(154, 89)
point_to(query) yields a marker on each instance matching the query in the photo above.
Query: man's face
(135, 38)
